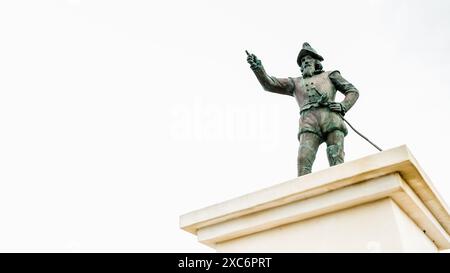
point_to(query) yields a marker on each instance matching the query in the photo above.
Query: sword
(361, 135)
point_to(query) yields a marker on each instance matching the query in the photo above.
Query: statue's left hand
(337, 107)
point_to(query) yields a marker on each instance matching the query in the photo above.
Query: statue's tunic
(313, 94)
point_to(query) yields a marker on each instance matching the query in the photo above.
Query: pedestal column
(380, 203)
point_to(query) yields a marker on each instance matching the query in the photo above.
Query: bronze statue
(321, 118)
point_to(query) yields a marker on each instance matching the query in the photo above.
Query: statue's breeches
(321, 121)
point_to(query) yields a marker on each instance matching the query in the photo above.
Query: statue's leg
(335, 147)
(309, 143)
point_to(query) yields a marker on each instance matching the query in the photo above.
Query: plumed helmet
(308, 50)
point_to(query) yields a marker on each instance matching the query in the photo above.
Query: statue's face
(307, 61)
(308, 66)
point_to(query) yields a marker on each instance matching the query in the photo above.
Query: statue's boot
(305, 160)
(335, 154)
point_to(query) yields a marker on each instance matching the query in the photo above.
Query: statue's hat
(308, 50)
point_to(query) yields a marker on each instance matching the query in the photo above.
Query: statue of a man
(320, 116)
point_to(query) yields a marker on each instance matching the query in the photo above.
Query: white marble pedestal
(380, 203)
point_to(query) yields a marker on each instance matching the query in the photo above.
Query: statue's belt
(311, 105)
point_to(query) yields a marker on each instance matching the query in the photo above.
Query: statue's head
(309, 61)
(310, 66)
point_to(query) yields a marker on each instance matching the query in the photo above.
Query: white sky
(116, 117)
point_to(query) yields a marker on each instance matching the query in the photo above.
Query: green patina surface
(321, 117)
